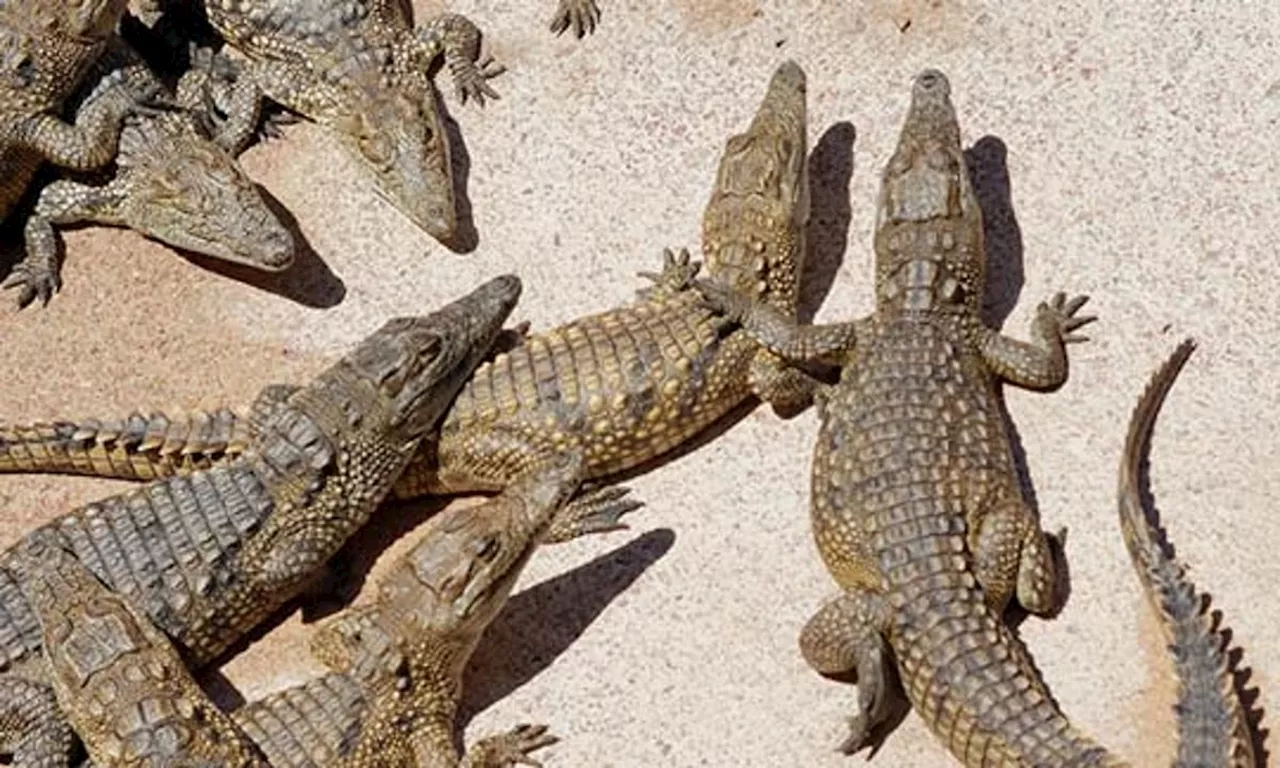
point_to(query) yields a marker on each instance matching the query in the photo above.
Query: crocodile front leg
(777, 331)
(62, 202)
(457, 38)
(1041, 364)
(90, 142)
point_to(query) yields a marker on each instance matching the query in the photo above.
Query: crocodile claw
(678, 272)
(594, 511)
(34, 279)
(1059, 314)
(580, 15)
(471, 79)
(510, 748)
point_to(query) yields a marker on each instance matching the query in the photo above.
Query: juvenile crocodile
(916, 507)
(397, 665)
(621, 387)
(209, 556)
(408, 650)
(46, 49)
(360, 69)
(170, 181)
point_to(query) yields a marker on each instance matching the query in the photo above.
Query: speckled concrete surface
(1141, 148)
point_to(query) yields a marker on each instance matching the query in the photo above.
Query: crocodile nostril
(931, 79)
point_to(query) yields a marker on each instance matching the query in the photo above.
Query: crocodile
(210, 555)
(396, 665)
(170, 181)
(360, 69)
(916, 507)
(622, 387)
(47, 47)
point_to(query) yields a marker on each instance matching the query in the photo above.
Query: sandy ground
(1137, 147)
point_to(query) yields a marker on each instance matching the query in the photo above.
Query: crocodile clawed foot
(471, 79)
(580, 15)
(859, 737)
(34, 280)
(1060, 313)
(721, 299)
(510, 748)
(678, 273)
(596, 511)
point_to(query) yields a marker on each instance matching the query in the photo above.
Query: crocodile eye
(487, 548)
(952, 290)
(377, 149)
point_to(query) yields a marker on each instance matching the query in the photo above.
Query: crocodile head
(397, 133)
(416, 365)
(753, 225)
(928, 239)
(189, 193)
(469, 558)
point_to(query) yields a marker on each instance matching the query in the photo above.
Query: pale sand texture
(1142, 154)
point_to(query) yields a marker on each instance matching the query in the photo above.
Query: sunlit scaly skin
(916, 506)
(360, 69)
(208, 556)
(47, 47)
(118, 680)
(397, 665)
(170, 181)
(621, 387)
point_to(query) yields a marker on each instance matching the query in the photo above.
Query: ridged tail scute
(137, 447)
(1212, 726)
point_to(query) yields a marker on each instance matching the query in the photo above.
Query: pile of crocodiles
(107, 611)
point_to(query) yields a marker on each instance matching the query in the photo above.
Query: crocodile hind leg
(32, 727)
(1012, 556)
(786, 389)
(845, 639)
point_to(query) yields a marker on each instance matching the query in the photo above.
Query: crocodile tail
(137, 447)
(1212, 727)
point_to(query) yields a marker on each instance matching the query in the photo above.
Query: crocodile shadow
(466, 238)
(308, 281)
(535, 627)
(827, 236)
(540, 623)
